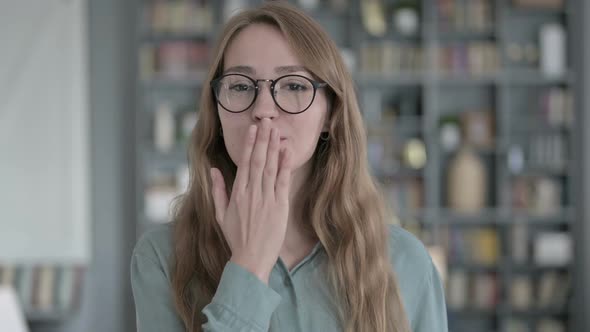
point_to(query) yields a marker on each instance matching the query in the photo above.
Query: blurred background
(476, 113)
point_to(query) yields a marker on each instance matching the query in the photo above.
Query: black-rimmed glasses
(291, 93)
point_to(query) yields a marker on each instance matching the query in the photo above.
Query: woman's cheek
(233, 147)
(237, 138)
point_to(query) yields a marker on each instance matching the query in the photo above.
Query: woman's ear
(326, 126)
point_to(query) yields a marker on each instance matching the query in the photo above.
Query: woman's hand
(254, 220)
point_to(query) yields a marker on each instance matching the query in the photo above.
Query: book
(457, 289)
(515, 325)
(553, 290)
(24, 285)
(7, 275)
(64, 288)
(550, 325)
(46, 288)
(485, 246)
(484, 291)
(78, 284)
(520, 243)
(521, 292)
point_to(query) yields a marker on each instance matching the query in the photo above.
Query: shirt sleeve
(431, 313)
(242, 301)
(154, 306)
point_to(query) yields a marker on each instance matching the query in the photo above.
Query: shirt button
(288, 282)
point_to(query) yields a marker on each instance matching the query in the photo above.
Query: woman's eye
(296, 87)
(239, 87)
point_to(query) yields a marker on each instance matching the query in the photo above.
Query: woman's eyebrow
(289, 69)
(240, 69)
(282, 70)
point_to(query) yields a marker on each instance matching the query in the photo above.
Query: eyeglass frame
(316, 85)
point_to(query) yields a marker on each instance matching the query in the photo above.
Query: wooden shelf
(472, 312)
(160, 82)
(437, 92)
(394, 78)
(160, 37)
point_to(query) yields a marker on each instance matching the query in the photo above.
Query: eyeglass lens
(292, 93)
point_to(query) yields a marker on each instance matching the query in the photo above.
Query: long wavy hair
(345, 209)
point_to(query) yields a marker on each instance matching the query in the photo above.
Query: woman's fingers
(258, 159)
(219, 194)
(284, 177)
(243, 172)
(271, 167)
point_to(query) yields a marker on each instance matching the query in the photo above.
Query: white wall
(106, 302)
(44, 131)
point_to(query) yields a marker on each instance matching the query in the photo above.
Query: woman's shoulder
(407, 251)
(410, 259)
(155, 244)
(418, 280)
(412, 264)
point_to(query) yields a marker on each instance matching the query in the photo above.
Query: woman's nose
(264, 106)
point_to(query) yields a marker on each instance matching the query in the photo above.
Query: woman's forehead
(279, 70)
(262, 50)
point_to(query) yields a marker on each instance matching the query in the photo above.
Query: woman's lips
(283, 139)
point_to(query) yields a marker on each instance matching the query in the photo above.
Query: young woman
(282, 226)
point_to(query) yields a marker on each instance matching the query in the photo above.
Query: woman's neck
(298, 241)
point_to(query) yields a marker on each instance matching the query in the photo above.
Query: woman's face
(261, 52)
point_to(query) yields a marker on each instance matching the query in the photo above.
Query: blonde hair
(345, 210)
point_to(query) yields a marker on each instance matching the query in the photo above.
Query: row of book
(548, 151)
(388, 57)
(405, 196)
(172, 125)
(162, 188)
(469, 246)
(541, 325)
(556, 107)
(505, 324)
(545, 291)
(473, 58)
(482, 291)
(45, 288)
(479, 291)
(483, 246)
(173, 60)
(396, 157)
(465, 15)
(537, 195)
(178, 16)
(548, 248)
(479, 246)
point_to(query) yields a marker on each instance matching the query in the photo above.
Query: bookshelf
(47, 292)
(464, 84)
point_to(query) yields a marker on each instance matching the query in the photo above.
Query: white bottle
(467, 182)
(553, 52)
(164, 127)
